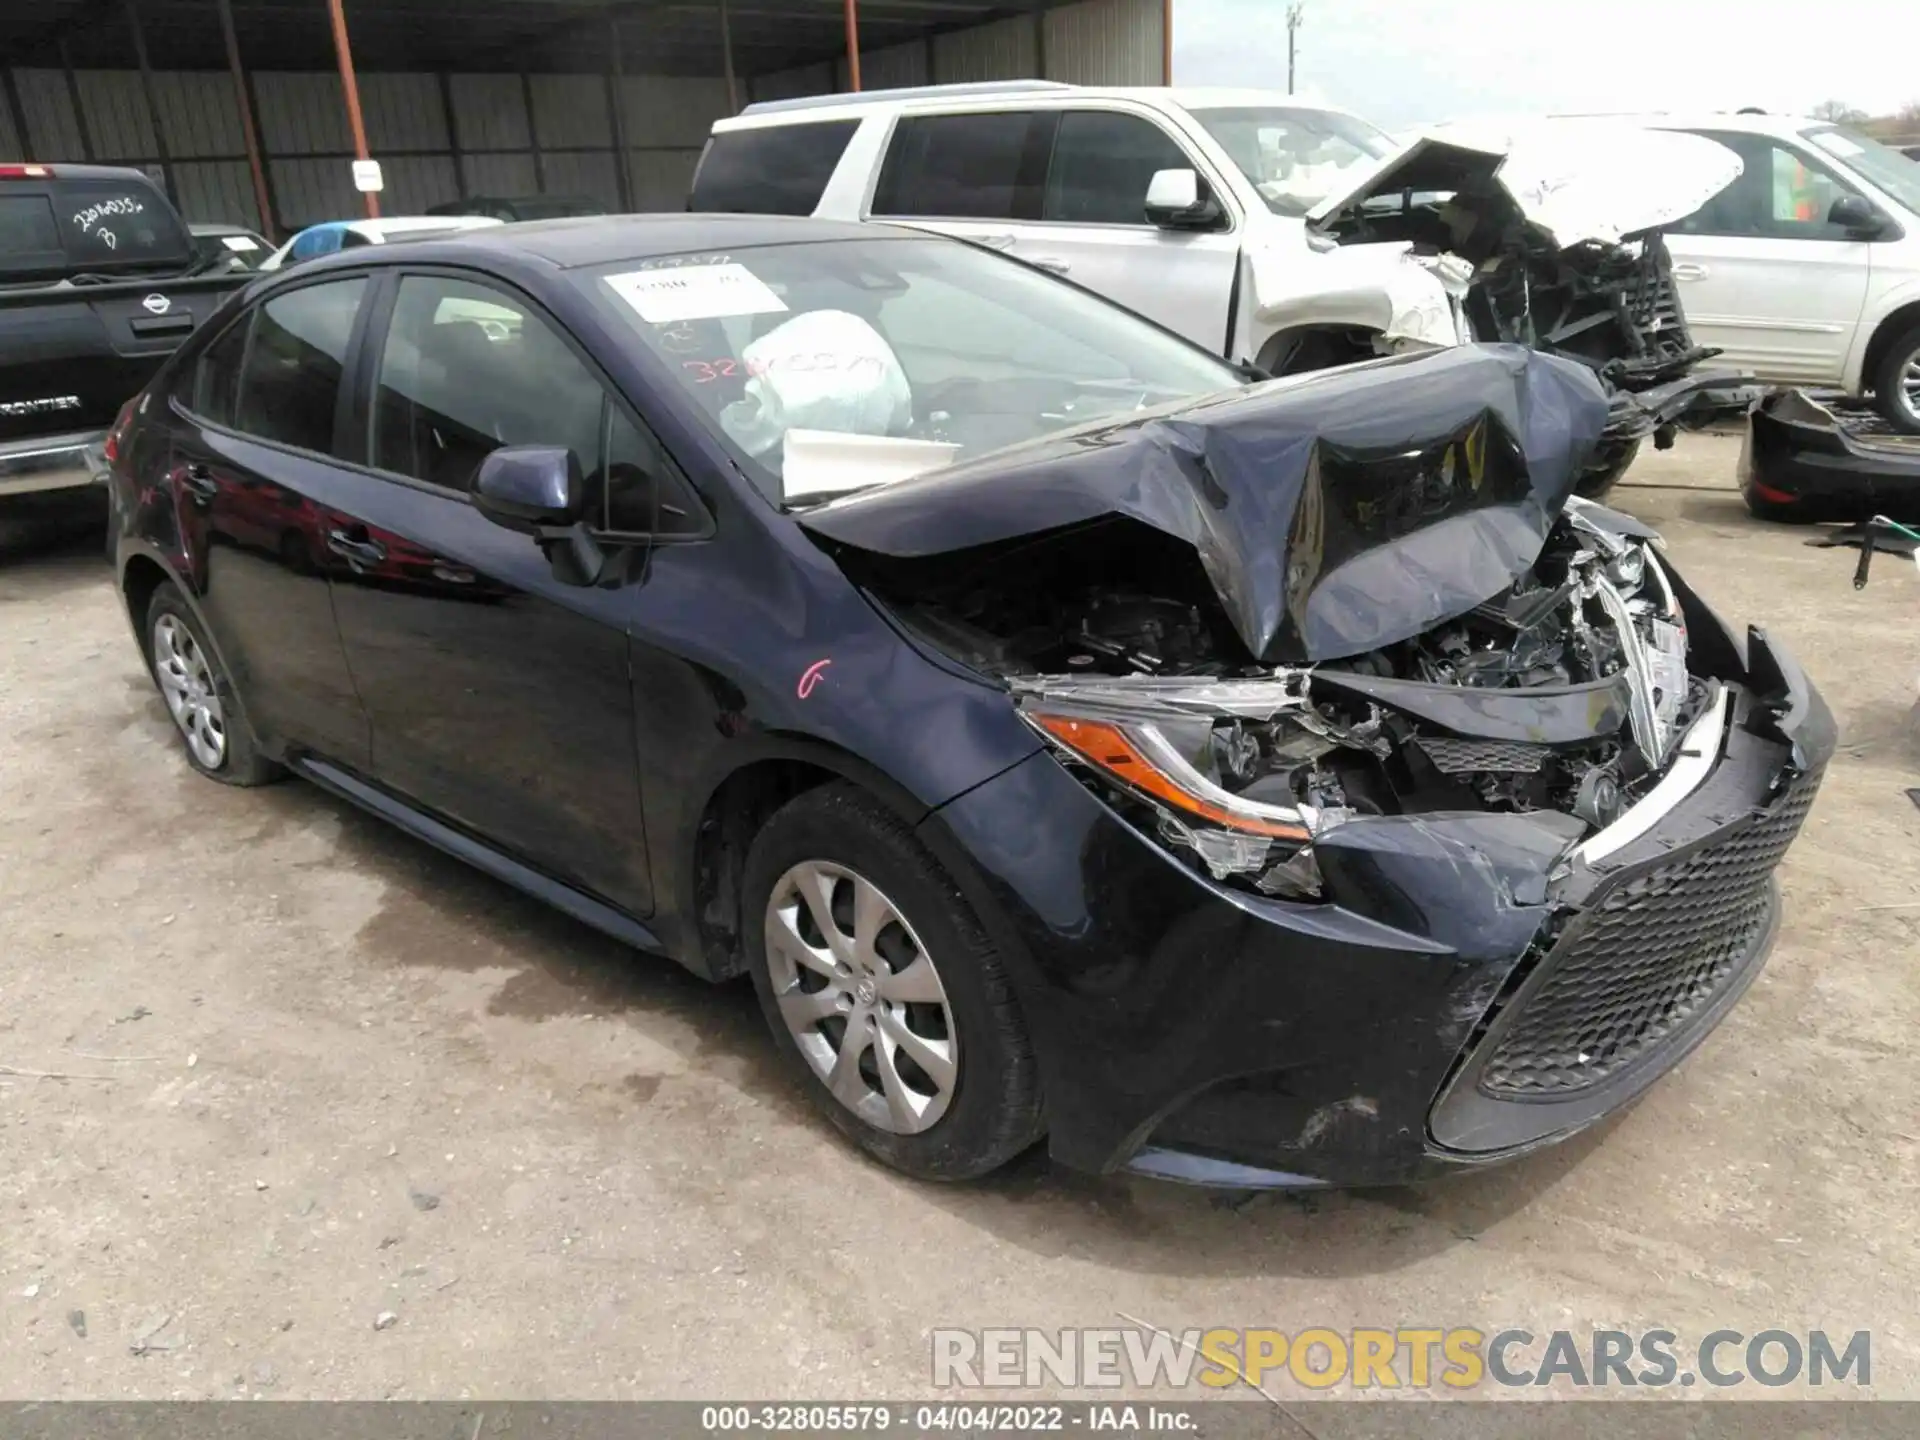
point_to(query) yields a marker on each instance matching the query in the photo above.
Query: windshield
(1881, 165)
(1295, 158)
(827, 368)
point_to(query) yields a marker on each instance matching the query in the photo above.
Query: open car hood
(1578, 180)
(1333, 513)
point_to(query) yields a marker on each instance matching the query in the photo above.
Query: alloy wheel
(861, 997)
(1910, 385)
(187, 684)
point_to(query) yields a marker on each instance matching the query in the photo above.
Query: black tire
(1890, 397)
(240, 762)
(1607, 471)
(993, 1111)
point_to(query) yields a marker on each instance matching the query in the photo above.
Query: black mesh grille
(1465, 757)
(1648, 954)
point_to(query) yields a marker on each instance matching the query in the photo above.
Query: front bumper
(53, 462)
(1445, 1007)
(1818, 454)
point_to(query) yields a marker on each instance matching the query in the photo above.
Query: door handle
(452, 574)
(1052, 264)
(994, 242)
(357, 553)
(198, 481)
(1689, 272)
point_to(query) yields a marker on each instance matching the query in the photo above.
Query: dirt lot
(321, 1072)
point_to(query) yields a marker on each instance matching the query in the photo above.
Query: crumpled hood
(1579, 180)
(1333, 512)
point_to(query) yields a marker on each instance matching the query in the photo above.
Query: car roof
(1763, 124)
(606, 239)
(1008, 95)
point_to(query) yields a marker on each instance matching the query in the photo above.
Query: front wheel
(1896, 384)
(882, 989)
(1606, 470)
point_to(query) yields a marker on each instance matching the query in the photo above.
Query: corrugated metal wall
(438, 137)
(1096, 42)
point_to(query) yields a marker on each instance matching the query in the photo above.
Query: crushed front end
(1408, 871)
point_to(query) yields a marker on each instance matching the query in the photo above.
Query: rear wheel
(882, 989)
(199, 696)
(1896, 384)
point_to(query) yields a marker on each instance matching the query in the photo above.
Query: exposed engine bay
(1564, 692)
(1515, 235)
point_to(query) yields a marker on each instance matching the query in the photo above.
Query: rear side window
(771, 170)
(216, 380)
(290, 385)
(965, 167)
(1102, 165)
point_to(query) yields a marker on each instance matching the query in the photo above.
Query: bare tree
(1839, 112)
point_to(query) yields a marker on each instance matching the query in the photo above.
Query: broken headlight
(1230, 769)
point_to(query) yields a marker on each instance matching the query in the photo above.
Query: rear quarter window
(769, 170)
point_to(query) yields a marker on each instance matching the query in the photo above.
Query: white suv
(1806, 270)
(1186, 205)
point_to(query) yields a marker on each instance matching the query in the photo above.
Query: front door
(1764, 276)
(499, 696)
(252, 462)
(1093, 227)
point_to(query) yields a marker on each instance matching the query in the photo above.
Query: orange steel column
(1166, 42)
(853, 43)
(345, 54)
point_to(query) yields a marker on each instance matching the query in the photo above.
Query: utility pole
(1295, 12)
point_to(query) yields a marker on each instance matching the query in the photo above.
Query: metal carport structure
(240, 107)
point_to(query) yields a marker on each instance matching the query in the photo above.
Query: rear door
(975, 174)
(255, 458)
(499, 696)
(1762, 273)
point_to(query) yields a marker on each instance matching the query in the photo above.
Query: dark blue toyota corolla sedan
(1245, 782)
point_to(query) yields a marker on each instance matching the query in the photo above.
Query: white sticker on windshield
(1834, 143)
(695, 292)
(242, 243)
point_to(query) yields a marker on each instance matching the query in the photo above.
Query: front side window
(816, 362)
(467, 369)
(1896, 173)
(290, 386)
(1294, 157)
(771, 169)
(1781, 194)
(1102, 164)
(964, 167)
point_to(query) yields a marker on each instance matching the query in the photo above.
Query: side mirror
(1180, 200)
(1856, 215)
(530, 488)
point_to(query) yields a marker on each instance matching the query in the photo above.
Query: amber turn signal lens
(1107, 748)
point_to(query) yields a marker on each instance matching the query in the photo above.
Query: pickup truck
(99, 282)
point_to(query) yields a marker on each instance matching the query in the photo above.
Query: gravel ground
(338, 1117)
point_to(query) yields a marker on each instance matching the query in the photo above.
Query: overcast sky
(1403, 62)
